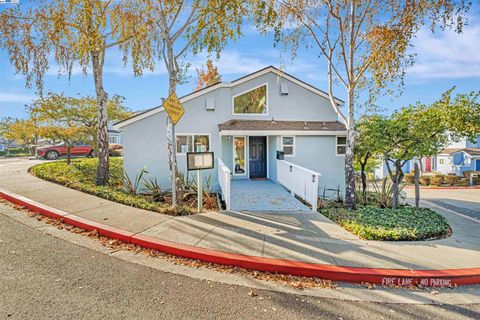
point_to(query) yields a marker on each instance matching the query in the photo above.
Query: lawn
(80, 175)
(401, 224)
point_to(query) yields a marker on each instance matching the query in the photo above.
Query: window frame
(441, 161)
(246, 91)
(246, 150)
(293, 146)
(192, 135)
(341, 145)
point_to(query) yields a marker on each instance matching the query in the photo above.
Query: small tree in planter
(422, 131)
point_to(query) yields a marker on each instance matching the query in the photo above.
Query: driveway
(463, 201)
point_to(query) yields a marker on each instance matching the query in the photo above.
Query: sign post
(199, 191)
(200, 161)
(175, 111)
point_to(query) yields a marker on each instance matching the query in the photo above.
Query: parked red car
(60, 150)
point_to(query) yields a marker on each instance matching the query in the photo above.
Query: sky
(443, 60)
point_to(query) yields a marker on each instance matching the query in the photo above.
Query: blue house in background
(467, 159)
(457, 158)
(246, 123)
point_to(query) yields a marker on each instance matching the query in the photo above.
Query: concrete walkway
(263, 195)
(305, 236)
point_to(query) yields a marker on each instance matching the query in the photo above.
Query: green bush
(80, 175)
(400, 224)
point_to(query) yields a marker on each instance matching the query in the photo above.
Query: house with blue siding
(456, 158)
(266, 128)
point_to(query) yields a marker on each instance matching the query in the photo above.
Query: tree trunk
(364, 181)
(349, 171)
(395, 191)
(417, 183)
(69, 154)
(396, 184)
(103, 169)
(172, 154)
(7, 149)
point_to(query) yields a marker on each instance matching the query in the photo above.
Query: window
(239, 148)
(441, 162)
(112, 139)
(341, 145)
(288, 145)
(192, 143)
(251, 102)
(201, 143)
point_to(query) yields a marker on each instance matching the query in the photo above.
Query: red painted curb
(380, 276)
(444, 188)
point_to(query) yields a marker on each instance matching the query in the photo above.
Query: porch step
(263, 195)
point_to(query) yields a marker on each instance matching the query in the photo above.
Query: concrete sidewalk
(300, 236)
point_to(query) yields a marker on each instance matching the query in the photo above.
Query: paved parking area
(464, 201)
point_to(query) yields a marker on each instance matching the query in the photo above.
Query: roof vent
(284, 88)
(210, 105)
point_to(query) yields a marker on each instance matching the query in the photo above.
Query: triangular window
(251, 102)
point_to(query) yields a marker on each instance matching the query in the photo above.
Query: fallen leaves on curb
(295, 282)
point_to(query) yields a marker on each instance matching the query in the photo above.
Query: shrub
(437, 180)
(400, 224)
(424, 180)
(80, 175)
(409, 178)
(463, 182)
(451, 180)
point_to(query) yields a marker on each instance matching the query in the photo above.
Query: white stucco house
(245, 122)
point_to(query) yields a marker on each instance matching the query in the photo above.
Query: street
(43, 277)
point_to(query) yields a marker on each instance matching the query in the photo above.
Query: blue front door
(477, 168)
(258, 157)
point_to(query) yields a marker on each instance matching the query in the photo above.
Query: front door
(428, 167)
(258, 157)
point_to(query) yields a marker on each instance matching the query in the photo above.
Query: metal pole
(174, 167)
(199, 191)
(417, 185)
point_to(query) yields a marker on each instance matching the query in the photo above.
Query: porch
(263, 195)
(293, 182)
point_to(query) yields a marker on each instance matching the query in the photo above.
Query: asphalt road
(43, 277)
(463, 201)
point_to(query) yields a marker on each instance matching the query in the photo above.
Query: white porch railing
(299, 180)
(224, 179)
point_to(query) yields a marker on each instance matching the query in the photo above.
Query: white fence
(224, 179)
(299, 180)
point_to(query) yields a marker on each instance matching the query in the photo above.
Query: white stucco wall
(145, 142)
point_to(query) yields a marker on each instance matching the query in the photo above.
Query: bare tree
(363, 42)
(182, 27)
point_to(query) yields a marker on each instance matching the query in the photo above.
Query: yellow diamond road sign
(174, 108)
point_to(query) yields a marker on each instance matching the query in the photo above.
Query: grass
(80, 175)
(401, 224)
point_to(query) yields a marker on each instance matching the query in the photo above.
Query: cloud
(15, 97)
(447, 54)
